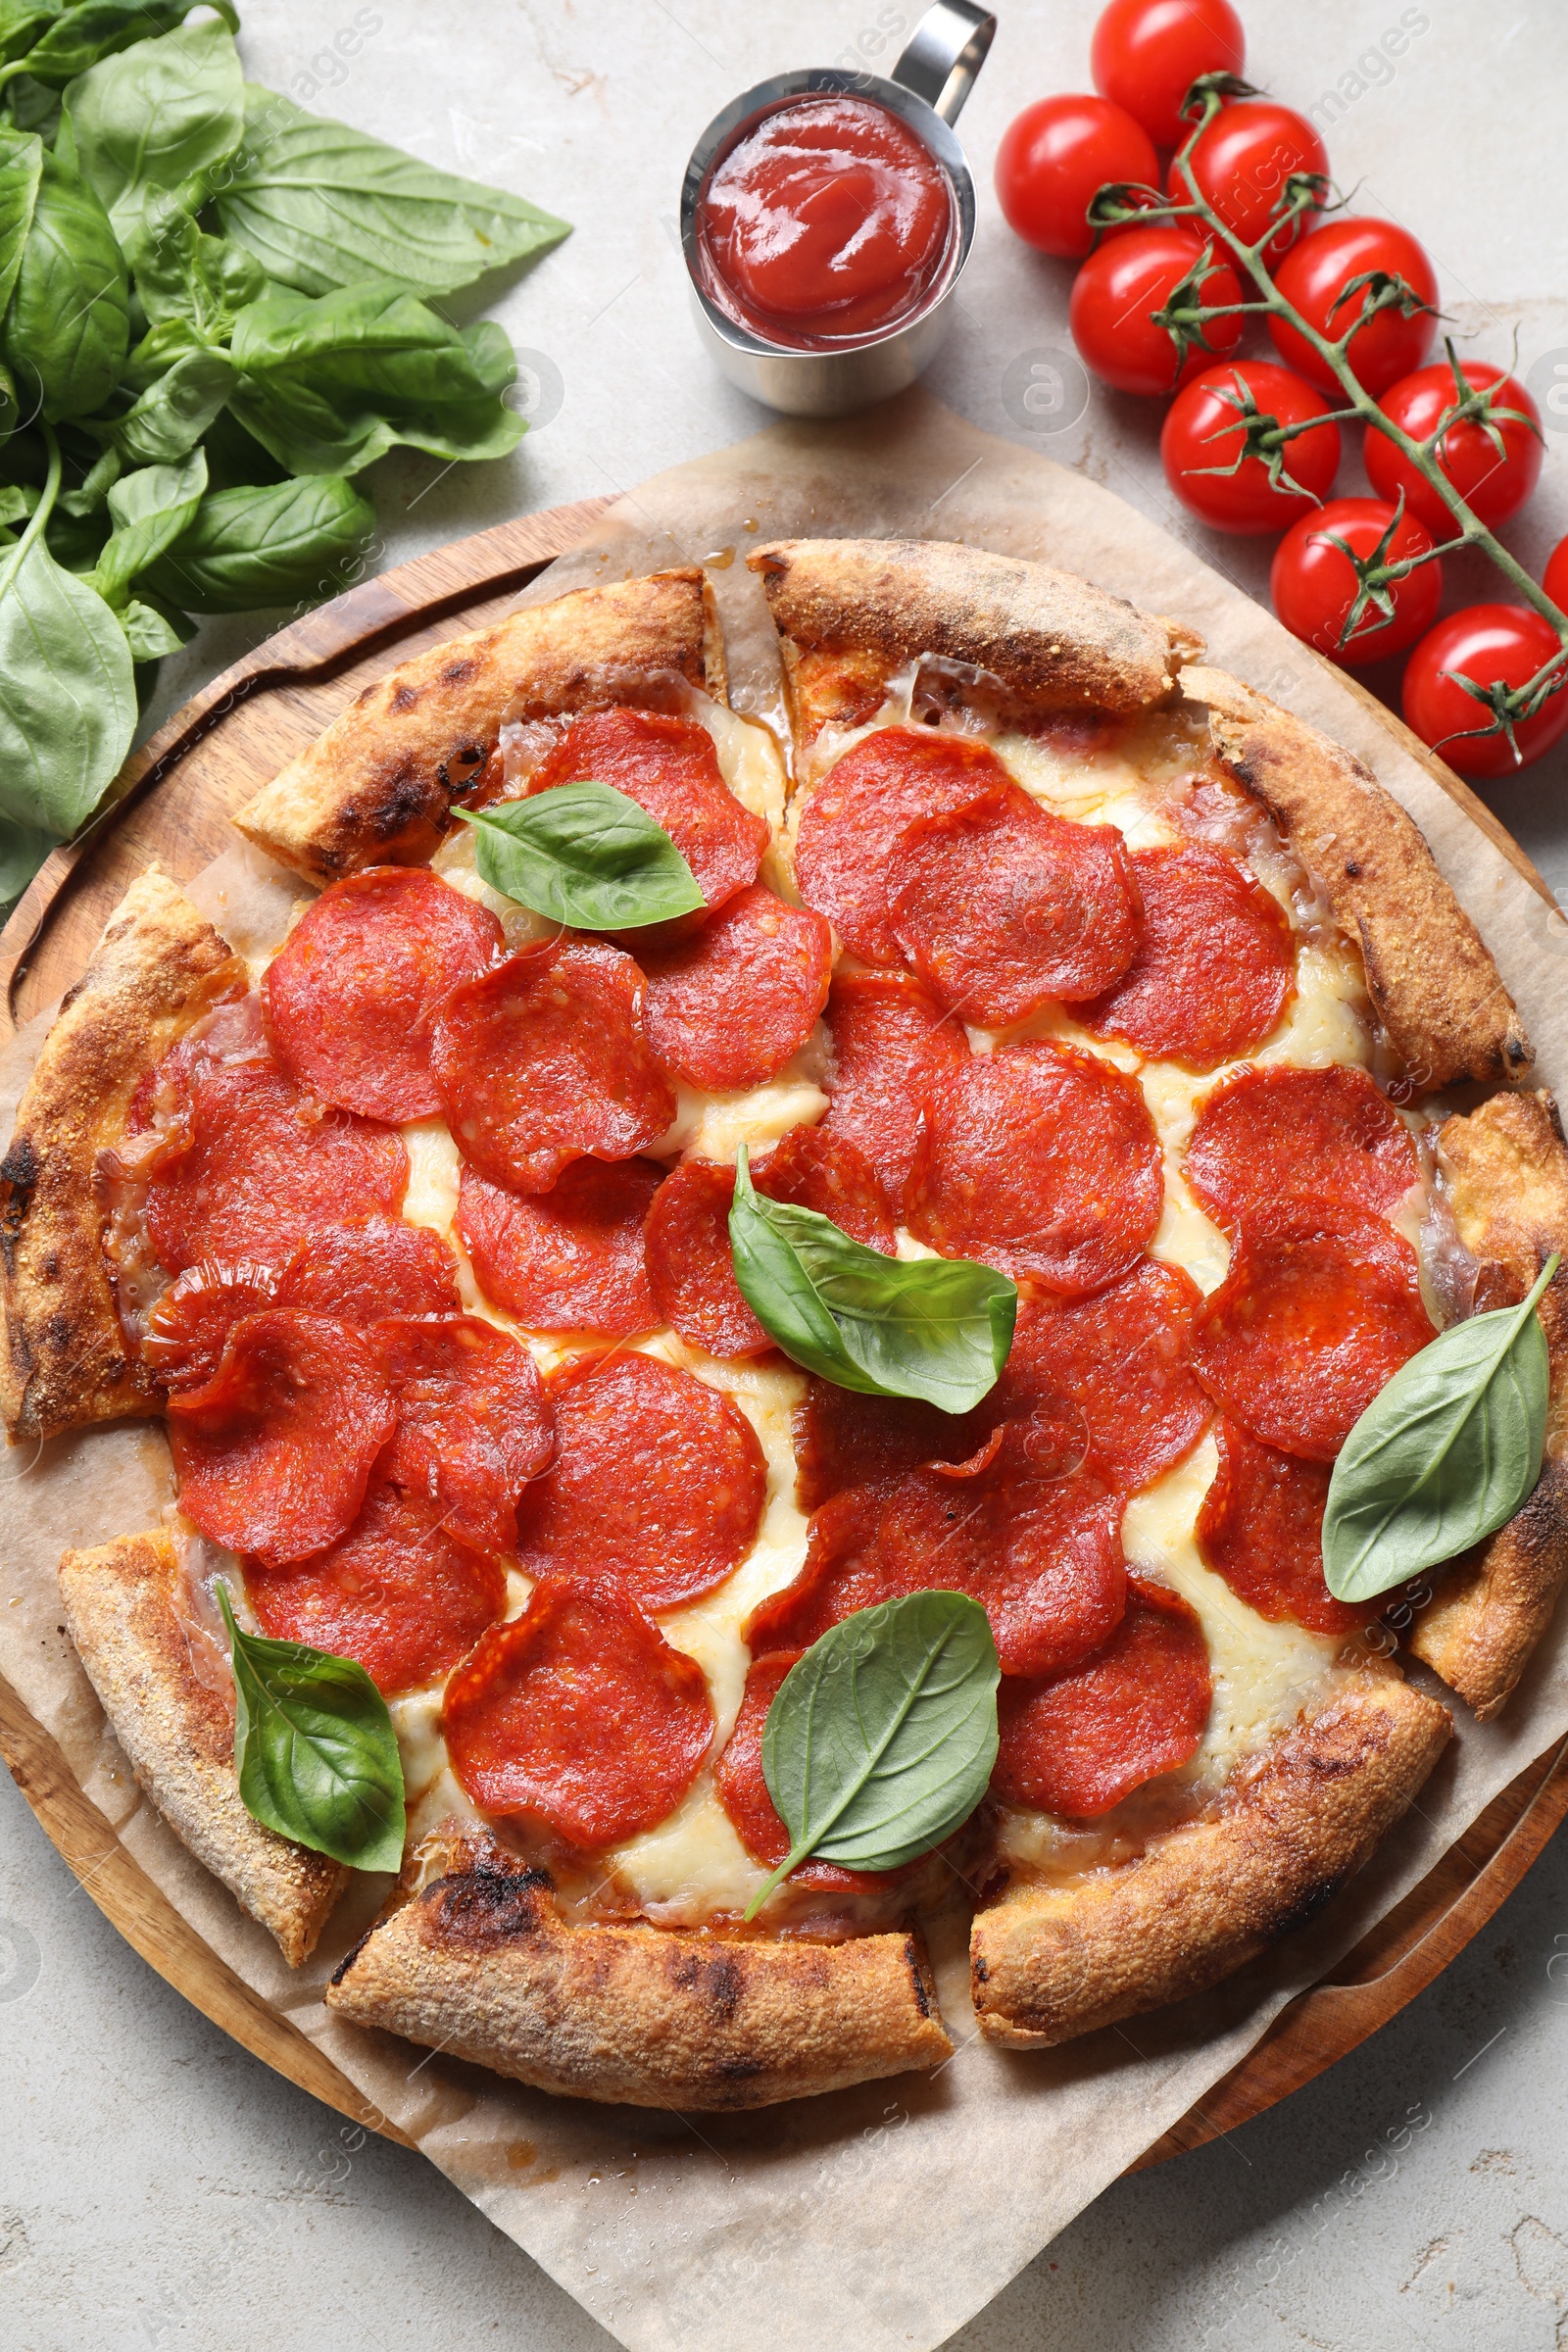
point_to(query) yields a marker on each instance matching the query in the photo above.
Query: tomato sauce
(829, 222)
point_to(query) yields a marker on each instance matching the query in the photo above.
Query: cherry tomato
(1314, 276)
(1242, 161)
(1554, 580)
(1146, 55)
(1494, 483)
(1205, 428)
(1313, 585)
(1116, 293)
(1051, 158)
(1486, 643)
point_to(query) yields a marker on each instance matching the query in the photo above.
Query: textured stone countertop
(160, 2188)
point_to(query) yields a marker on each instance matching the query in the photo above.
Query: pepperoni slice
(1043, 1557)
(690, 1266)
(1215, 968)
(1309, 1325)
(1079, 1743)
(727, 1007)
(1038, 1160)
(1122, 1358)
(189, 1325)
(741, 1789)
(351, 995)
(689, 1257)
(849, 827)
(569, 1259)
(1326, 1135)
(578, 1714)
(812, 1169)
(472, 1423)
(1002, 907)
(359, 1273)
(1261, 1529)
(890, 1040)
(398, 1593)
(655, 1478)
(354, 1273)
(545, 1060)
(273, 1454)
(843, 1438)
(254, 1166)
(670, 768)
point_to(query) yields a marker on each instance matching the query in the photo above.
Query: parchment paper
(885, 2216)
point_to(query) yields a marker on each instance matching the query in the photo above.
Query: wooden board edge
(1394, 1961)
(336, 633)
(144, 1914)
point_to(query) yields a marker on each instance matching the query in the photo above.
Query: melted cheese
(694, 1863)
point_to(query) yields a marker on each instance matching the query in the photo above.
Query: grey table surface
(158, 2186)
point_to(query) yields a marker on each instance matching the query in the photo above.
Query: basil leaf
(34, 106)
(154, 116)
(81, 35)
(183, 273)
(584, 854)
(314, 1751)
(1441, 1456)
(21, 170)
(67, 698)
(275, 544)
(882, 1739)
(330, 385)
(94, 486)
(21, 24)
(938, 1328)
(68, 323)
(23, 849)
(172, 414)
(150, 632)
(148, 511)
(322, 207)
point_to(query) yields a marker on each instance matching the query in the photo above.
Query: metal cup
(930, 82)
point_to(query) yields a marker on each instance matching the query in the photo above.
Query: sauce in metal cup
(825, 217)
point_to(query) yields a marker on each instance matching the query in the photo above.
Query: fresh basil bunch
(214, 315)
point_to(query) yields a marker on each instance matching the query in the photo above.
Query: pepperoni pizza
(1040, 945)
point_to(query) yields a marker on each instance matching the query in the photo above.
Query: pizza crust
(157, 967)
(1431, 978)
(1506, 1172)
(482, 1964)
(178, 1733)
(377, 787)
(1050, 1963)
(852, 611)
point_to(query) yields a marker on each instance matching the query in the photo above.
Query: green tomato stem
(1361, 407)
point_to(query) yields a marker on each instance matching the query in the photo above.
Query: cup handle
(946, 52)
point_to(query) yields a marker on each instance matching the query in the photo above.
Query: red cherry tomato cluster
(1133, 318)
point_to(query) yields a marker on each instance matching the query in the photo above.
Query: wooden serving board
(174, 802)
